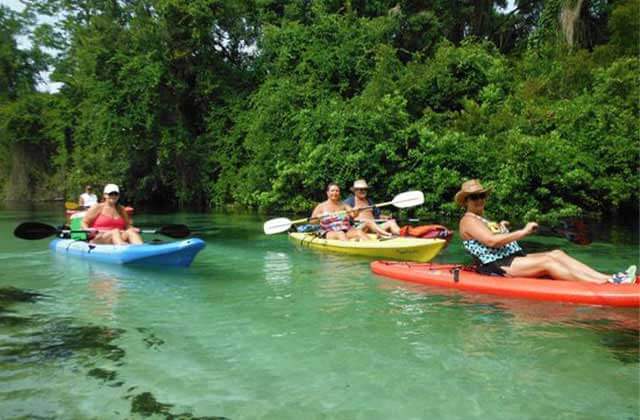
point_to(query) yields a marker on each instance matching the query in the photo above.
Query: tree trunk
(18, 183)
(569, 17)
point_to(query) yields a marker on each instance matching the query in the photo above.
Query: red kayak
(465, 278)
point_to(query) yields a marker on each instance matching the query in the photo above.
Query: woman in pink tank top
(110, 221)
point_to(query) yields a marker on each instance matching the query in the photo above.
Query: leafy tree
(261, 103)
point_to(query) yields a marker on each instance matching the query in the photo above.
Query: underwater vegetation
(146, 405)
(38, 338)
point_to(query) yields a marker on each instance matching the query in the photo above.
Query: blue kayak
(179, 253)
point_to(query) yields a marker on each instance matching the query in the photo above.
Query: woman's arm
(125, 217)
(317, 213)
(90, 216)
(353, 213)
(472, 228)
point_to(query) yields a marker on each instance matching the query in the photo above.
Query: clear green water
(257, 328)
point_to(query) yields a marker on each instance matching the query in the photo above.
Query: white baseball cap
(109, 188)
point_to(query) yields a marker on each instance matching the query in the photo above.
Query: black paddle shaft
(36, 230)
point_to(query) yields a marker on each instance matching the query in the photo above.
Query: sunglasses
(478, 196)
(113, 194)
(360, 189)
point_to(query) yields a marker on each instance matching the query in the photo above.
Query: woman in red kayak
(498, 253)
(335, 217)
(110, 221)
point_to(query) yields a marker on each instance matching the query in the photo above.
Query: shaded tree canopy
(260, 103)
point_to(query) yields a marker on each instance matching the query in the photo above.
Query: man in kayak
(498, 253)
(110, 221)
(367, 217)
(87, 198)
(335, 217)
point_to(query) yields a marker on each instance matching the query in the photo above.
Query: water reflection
(488, 320)
(339, 279)
(277, 268)
(106, 289)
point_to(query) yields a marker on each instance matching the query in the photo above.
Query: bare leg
(545, 264)
(102, 238)
(340, 236)
(391, 226)
(116, 237)
(372, 226)
(361, 235)
(132, 236)
(111, 237)
(576, 265)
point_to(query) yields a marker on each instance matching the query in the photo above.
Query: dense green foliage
(261, 103)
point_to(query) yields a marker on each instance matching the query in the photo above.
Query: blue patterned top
(486, 254)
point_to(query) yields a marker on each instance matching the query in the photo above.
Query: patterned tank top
(486, 254)
(336, 223)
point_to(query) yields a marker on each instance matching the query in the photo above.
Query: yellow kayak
(399, 248)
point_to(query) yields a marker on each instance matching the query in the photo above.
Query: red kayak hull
(462, 278)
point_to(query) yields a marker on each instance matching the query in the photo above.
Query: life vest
(427, 231)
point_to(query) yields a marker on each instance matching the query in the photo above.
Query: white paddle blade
(408, 199)
(281, 224)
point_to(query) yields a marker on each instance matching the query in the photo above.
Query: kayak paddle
(36, 230)
(401, 201)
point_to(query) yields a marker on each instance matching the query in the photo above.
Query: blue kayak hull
(179, 253)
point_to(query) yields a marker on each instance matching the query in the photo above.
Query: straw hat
(473, 186)
(359, 184)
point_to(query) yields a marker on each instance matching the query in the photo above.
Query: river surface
(257, 328)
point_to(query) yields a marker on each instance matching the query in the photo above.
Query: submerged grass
(146, 405)
(43, 339)
(10, 296)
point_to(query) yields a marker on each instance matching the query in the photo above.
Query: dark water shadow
(38, 339)
(146, 405)
(10, 296)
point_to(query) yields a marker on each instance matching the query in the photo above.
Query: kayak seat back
(76, 224)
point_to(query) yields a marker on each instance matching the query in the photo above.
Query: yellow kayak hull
(400, 248)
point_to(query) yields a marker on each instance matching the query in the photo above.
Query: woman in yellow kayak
(498, 252)
(335, 218)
